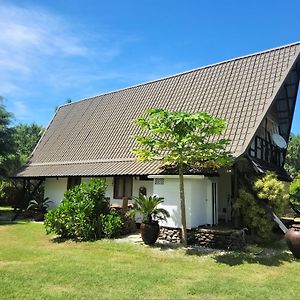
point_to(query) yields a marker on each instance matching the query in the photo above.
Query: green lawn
(32, 266)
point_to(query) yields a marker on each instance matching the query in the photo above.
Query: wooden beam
(287, 100)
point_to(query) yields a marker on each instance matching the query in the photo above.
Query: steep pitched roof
(93, 137)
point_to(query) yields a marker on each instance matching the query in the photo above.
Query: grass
(6, 208)
(33, 266)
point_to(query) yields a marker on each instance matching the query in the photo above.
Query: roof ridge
(181, 73)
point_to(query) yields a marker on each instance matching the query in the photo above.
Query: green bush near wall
(111, 224)
(84, 214)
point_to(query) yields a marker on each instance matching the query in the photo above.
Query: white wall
(137, 183)
(55, 189)
(197, 198)
(170, 192)
(198, 194)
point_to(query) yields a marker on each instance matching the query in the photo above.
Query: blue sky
(51, 51)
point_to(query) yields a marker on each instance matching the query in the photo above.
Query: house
(92, 137)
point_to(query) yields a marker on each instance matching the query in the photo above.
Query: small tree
(181, 139)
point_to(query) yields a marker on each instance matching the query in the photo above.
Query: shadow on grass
(238, 258)
(19, 222)
(189, 250)
(165, 246)
(59, 240)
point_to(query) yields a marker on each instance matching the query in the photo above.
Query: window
(122, 187)
(72, 181)
(159, 181)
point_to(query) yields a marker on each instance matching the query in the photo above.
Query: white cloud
(20, 110)
(35, 43)
(36, 31)
(38, 47)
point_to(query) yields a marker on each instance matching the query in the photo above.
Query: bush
(267, 190)
(4, 186)
(111, 224)
(255, 217)
(294, 192)
(78, 216)
(274, 191)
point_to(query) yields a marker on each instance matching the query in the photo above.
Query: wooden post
(125, 204)
(182, 206)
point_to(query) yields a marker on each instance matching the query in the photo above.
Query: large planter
(292, 237)
(39, 215)
(149, 232)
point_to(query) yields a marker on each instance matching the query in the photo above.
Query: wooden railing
(266, 151)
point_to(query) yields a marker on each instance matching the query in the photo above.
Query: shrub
(267, 190)
(111, 224)
(4, 185)
(78, 216)
(294, 192)
(274, 191)
(255, 217)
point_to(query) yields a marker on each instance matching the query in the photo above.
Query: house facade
(255, 94)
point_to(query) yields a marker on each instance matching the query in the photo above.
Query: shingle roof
(94, 136)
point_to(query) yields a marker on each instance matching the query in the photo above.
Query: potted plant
(148, 208)
(39, 208)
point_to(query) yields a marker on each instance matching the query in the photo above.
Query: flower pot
(292, 237)
(39, 215)
(149, 232)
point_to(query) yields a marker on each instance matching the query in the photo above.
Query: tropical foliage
(292, 163)
(85, 214)
(7, 145)
(16, 144)
(41, 205)
(78, 215)
(148, 208)
(267, 192)
(294, 191)
(111, 224)
(180, 140)
(26, 137)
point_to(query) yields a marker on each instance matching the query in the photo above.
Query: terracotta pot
(149, 232)
(292, 237)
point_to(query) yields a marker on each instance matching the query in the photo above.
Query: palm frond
(147, 206)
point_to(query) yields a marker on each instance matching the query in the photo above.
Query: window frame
(124, 180)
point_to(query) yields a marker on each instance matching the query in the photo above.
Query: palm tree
(147, 206)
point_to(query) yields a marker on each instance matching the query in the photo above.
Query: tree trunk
(182, 206)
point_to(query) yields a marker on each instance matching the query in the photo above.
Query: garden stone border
(227, 239)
